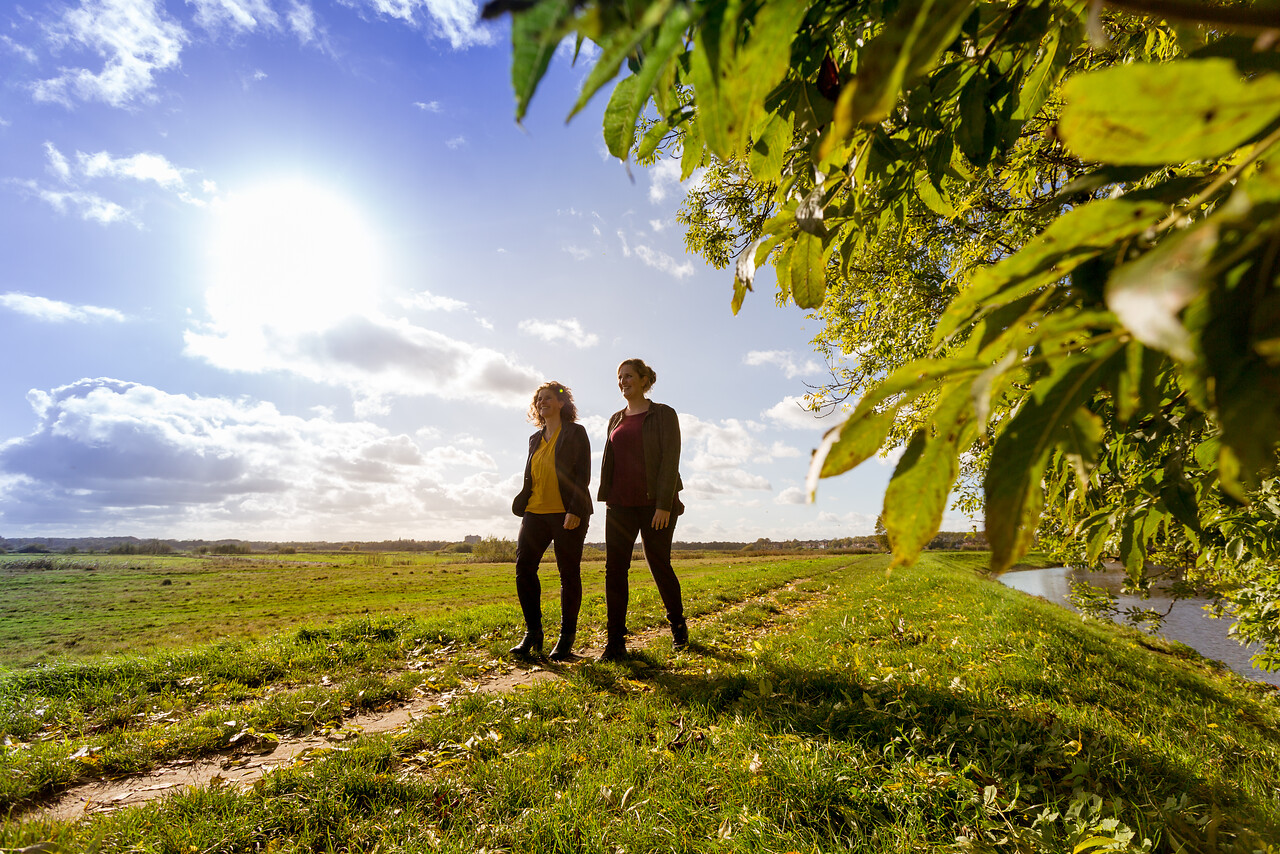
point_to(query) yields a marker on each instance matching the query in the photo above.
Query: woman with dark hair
(640, 484)
(554, 506)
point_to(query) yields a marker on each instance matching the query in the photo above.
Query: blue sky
(280, 269)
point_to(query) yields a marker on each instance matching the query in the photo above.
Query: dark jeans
(622, 524)
(537, 531)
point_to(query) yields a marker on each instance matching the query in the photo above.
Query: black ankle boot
(563, 650)
(614, 650)
(679, 634)
(531, 644)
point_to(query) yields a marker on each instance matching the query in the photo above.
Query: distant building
(471, 540)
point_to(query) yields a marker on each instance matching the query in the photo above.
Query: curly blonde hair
(568, 409)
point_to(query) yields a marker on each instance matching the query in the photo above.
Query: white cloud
(578, 253)
(456, 142)
(146, 167)
(726, 483)
(139, 167)
(717, 457)
(792, 412)
(55, 311)
(428, 106)
(58, 164)
(134, 40)
(891, 456)
(458, 21)
(302, 20)
(731, 443)
(790, 495)
(785, 361)
(657, 225)
(455, 456)
(657, 259)
(246, 16)
(106, 452)
(237, 15)
(664, 176)
(664, 262)
(375, 358)
(89, 206)
(26, 53)
(569, 331)
(428, 301)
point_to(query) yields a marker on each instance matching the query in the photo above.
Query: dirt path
(244, 766)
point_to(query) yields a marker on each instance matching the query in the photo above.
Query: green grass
(824, 705)
(94, 605)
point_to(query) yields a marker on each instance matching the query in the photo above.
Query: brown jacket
(573, 471)
(660, 434)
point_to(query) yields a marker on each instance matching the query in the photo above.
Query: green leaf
(1081, 442)
(932, 199)
(624, 42)
(732, 80)
(971, 129)
(782, 269)
(1071, 240)
(808, 271)
(917, 494)
(532, 49)
(1039, 82)
(772, 139)
(1147, 294)
(691, 149)
(1179, 497)
(740, 289)
(652, 138)
(909, 43)
(619, 121)
(1013, 483)
(1173, 112)
(863, 433)
(1097, 529)
(1132, 553)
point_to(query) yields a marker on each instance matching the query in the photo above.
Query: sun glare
(293, 256)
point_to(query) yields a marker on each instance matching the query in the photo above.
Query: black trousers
(537, 531)
(622, 525)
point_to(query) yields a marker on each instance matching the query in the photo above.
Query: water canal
(1188, 622)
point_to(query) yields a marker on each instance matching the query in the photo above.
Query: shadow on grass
(1021, 752)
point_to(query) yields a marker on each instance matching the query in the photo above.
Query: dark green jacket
(660, 434)
(573, 471)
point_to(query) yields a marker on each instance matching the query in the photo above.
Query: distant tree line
(487, 548)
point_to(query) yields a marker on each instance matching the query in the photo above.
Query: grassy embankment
(823, 706)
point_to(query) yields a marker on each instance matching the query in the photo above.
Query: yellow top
(546, 488)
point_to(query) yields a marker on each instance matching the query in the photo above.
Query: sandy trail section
(243, 767)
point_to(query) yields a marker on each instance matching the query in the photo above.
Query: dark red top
(628, 489)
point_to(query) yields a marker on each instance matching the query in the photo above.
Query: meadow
(823, 705)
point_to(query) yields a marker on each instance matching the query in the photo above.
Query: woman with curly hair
(554, 506)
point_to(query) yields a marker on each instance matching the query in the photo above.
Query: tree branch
(1255, 20)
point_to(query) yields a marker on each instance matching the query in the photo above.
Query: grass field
(88, 605)
(824, 705)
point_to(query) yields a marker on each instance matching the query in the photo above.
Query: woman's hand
(571, 521)
(661, 519)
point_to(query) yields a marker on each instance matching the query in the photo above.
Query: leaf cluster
(1044, 236)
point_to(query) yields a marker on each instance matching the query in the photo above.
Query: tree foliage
(1044, 236)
